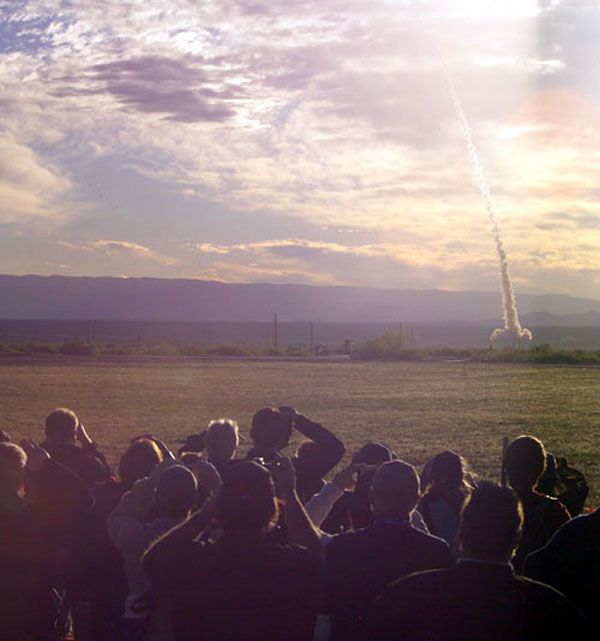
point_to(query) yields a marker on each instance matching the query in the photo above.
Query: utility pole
(275, 330)
(312, 338)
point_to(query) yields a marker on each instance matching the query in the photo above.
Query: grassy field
(417, 408)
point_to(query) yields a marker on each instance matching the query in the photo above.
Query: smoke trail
(512, 326)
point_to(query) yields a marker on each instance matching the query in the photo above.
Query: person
(241, 586)
(271, 431)
(442, 502)
(570, 562)
(63, 431)
(221, 443)
(319, 507)
(101, 583)
(565, 483)
(352, 510)
(171, 490)
(360, 564)
(480, 597)
(40, 500)
(524, 463)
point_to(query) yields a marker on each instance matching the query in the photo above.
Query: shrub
(77, 348)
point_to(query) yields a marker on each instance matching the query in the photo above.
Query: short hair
(268, 428)
(447, 468)
(491, 522)
(138, 460)
(176, 492)
(396, 487)
(13, 460)
(222, 438)
(524, 461)
(247, 498)
(61, 424)
(372, 453)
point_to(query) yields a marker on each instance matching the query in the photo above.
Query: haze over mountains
(70, 298)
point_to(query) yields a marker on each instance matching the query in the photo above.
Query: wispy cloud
(120, 247)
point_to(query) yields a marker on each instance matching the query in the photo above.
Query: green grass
(418, 408)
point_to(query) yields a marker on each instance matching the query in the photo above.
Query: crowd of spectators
(209, 545)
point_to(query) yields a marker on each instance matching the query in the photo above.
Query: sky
(301, 141)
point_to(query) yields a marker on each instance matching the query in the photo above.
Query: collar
(470, 560)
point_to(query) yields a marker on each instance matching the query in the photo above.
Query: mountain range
(107, 298)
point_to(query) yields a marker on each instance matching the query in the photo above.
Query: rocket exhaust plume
(512, 326)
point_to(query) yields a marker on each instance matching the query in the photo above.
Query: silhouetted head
(247, 502)
(222, 439)
(138, 461)
(271, 429)
(447, 469)
(12, 468)
(490, 524)
(524, 462)
(373, 453)
(395, 490)
(194, 443)
(61, 426)
(176, 492)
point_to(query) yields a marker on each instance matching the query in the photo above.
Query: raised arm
(128, 518)
(328, 452)
(300, 528)
(161, 559)
(56, 490)
(99, 469)
(320, 505)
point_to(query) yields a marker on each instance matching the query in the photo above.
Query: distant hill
(62, 297)
(545, 319)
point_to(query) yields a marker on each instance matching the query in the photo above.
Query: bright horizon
(299, 143)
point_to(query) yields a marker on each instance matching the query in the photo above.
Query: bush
(77, 348)
(389, 346)
(228, 350)
(32, 347)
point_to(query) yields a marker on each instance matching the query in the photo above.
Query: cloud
(120, 247)
(317, 114)
(140, 251)
(209, 248)
(177, 88)
(29, 188)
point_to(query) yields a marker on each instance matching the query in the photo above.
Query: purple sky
(297, 141)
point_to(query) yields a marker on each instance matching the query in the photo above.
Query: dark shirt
(237, 590)
(361, 564)
(32, 533)
(87, 462)
(473, 602)
(570, 562)
(543, 516)
(100, 578)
